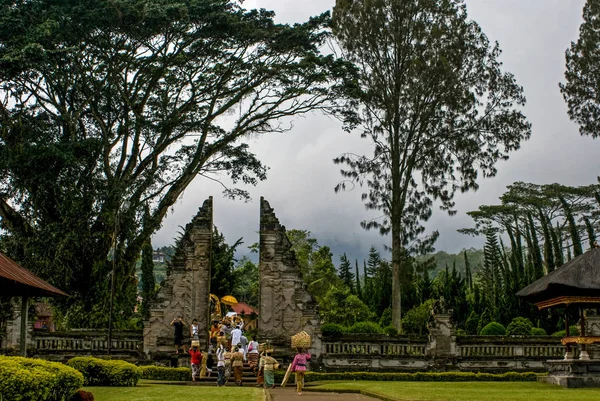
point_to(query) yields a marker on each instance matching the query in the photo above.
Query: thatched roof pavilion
(575, 282)
(16, 281)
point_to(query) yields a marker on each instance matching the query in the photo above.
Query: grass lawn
(160, 392)
(464, 391)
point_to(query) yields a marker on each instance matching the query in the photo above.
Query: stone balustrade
(380, 346)
(497, 346)
(83, 342)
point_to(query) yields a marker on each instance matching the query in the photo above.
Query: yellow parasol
(229, 300)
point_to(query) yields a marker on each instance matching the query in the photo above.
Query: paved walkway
(289, 394)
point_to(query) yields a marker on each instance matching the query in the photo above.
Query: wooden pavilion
(574, 285)
(16, 281)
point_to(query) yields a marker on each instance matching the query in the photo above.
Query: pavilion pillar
(568, 353)
(24, 320)
(583, 355)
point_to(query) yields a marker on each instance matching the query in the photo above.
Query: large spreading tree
(437, 106)
(111, 107)
(582, 87)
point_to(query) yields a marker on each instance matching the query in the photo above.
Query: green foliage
(345, 272)
(493, 329)
(364, 328)
(340, 306)
(390, 331)
(386, 318)
(420, 376)
(33, 379)
(222, 262)
(538, 331)
(332, 330)
(163, 373)
(471, 323)
(573, 331)
(581, 86)
(148, 282)
(415, 320)
(519, 326)
(101, 372)
(246, 285)
(107, 102)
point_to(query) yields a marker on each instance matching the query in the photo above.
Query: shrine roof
(16, 281)
(579, 277)
(243, 307)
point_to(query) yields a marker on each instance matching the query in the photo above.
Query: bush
(386, 318)
(415, 320)
(538, 331)
(390, 331)
(573, 331)
(365, 328)
(100, 372)
(332, 330)
(519, 326)
(163, 373)
(35, 379)
(82, 395)
(471, 323)
(419, 376)
(493, 329)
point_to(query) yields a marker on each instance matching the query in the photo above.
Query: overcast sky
(533, 35)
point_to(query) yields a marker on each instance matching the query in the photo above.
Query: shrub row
(36, 379)
(336, 330)
(418, 376)
(101, 372)
(183, 374)
(163, 373)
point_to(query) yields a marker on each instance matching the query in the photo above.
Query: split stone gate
(285, 309)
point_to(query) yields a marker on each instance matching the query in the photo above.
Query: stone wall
(286, 307)
(186, 289)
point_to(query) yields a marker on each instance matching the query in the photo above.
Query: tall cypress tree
(345, 273)
(538, 264)
(148, 282)
(590, 232)
(548, 248)
(468, 274)
(358, 289)
(577, 249)
(559, 250)
(373, 261)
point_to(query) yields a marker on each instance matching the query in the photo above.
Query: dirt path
(289, 394)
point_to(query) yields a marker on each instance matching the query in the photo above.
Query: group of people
(231, 348)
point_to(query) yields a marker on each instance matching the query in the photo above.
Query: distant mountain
(444, 259)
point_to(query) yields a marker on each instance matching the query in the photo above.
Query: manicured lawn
(465, 391)
(162, 392)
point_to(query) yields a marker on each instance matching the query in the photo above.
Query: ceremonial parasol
(229, 300)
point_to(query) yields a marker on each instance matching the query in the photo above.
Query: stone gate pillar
(286, 307)
(186, 289)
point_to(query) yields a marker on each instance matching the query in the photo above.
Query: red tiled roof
(247, 309)
(18, 281)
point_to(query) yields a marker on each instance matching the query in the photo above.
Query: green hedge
(493, 329)
(419, 376)
(163, 373)
(36, 379)
(101, 372)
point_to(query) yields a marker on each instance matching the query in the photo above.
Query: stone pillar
(442, 336)
(286, 307)
(186, 289)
